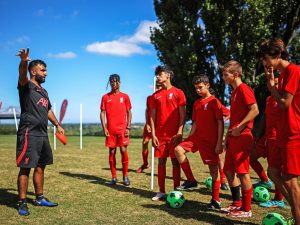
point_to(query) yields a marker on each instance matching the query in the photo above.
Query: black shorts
(33, 151)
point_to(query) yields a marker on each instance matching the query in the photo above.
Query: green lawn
(77, 179)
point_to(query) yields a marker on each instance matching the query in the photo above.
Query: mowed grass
(77, 181)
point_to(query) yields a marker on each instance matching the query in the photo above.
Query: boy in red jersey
(116, 108)
(274, 57)
(167, 122)
(239, 140)
(266, 147)
(206, 135)
(147, 132)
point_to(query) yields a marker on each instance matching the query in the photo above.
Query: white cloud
(40, 12)
(63, 55)
(19, 40)
(125, 45)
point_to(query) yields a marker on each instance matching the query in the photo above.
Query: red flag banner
(63, 109)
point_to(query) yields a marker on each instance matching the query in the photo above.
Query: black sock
(236, 193)
(39, 196)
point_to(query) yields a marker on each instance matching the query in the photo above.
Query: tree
(196, 36)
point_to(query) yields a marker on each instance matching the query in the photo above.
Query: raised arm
(24, 56)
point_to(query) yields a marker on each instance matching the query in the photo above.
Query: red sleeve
(102, 105)
(248, 95)
(225, 111)
(153, 102)
(182, 99)
(127, 102)
(293, 79)
(218, 110)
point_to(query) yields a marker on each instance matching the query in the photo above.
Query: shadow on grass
(198, 211)
(191, 209)
(9, 197)
(119, 186)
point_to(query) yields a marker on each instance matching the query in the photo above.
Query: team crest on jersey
(121, 100)
(170, 95)
(205, 106)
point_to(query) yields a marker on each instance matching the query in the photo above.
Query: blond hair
(232, 66)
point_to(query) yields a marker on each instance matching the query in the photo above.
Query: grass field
(77, 181)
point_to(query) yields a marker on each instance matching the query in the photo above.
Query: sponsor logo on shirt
(170, 95)
(43, 102)
(158, 97)
(121, 100)
(109, 100)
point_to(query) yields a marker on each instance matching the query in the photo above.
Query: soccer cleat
(113, 181)
(231, 208)
(126, 181)
(272, 204)
(266, 184)
(187, 185)
(159, 196)
(23, 208)
(44, 202)
(214, 205)
(142, 168)
(224, 187)
(240, 214)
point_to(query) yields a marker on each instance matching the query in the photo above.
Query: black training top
(35, 105)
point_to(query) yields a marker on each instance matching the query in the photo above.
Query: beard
(40, 79)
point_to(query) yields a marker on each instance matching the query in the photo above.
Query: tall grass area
(77, 181)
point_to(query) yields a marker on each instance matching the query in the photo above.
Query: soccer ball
(274, 219)
(208, 183)
(261, 194)
(175, 199)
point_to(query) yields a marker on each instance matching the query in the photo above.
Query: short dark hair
(34, 63)
(165, 69)
(114, 77)
(200, 79)
(273, 47)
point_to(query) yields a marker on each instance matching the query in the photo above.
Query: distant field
(77, 182)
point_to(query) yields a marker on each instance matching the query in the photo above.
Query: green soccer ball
(274, 219)
(208, 183)
(261, 194)
(175, 199)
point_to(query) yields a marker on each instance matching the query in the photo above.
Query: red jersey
(167, 103)
(240, 99)
(116, 107)
(206, 113)
(148, 107)
(289, 121)
(272, 116)
(225, 111)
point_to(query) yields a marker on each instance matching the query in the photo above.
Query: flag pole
(152, 149)
(80, 126)
(54, 128)
(15, 116)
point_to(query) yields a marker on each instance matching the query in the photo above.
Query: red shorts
(208, 154)
(237, 158)
(165, 149)
(261, 147)
(290, 160)
(273, 155)
(146, 135)
(116, 140)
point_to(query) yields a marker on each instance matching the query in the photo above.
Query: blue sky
(82, 42)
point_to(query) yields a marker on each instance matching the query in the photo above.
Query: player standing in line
(274, 56)
(33, 147)
(206, 136)
(239, 140)
(115, 118)
(147, 132)
(167, 122)
(266, 147)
